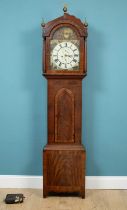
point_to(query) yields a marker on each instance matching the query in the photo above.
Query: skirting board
(92, 182)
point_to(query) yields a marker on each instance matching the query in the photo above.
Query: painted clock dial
(65, 54)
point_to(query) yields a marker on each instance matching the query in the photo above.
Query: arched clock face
(65, 56)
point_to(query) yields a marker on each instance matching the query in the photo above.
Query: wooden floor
(95, 200)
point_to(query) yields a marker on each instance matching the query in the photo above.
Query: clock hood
(65, 19)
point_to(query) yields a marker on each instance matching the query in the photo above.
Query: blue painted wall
(23, 89)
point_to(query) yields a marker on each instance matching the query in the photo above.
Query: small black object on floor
(14, 198)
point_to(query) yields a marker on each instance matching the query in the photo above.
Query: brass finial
(65, 8)
(43, 23)
(85, 23)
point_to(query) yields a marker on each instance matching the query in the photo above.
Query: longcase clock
(64, 66)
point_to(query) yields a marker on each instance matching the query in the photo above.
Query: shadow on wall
(35, 85)
(93, 84)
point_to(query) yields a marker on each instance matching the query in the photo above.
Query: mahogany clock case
(64, 155)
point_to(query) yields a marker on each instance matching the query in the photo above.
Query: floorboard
(95, 200)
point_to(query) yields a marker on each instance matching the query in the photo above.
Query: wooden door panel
(64, 111)
(64, 116)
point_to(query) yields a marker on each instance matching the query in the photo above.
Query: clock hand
(71, 56)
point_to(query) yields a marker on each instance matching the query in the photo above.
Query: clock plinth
(66, 169)
(64, 58)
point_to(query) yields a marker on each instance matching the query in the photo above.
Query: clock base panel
(64, 169)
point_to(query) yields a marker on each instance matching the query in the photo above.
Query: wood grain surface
(64, 111)
(64, 116)
(64, 169)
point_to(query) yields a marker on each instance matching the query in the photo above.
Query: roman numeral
(56, 60)
(76, 55)
(75, 60)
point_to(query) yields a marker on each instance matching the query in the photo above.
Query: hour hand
(70, 56)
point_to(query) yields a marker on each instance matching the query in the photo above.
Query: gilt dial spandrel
(64, 48)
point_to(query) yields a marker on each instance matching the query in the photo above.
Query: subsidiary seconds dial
(65, 55)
